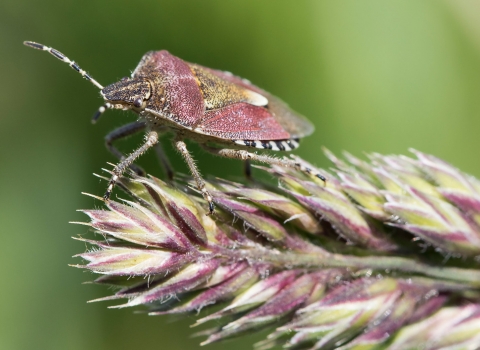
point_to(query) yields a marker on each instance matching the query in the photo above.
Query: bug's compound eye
(138, 102)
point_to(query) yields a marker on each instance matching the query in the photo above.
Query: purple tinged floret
(220, 292)
(133, 262)
(384, 255)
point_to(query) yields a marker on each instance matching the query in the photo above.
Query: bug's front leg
(182, 148)
(131, 129)
(262, 158)
(150, 140)
(121, 133)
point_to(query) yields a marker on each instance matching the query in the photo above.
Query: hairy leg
(128, 130)
(151, 139)
(262, 158)
(120, 133)
(182, 148)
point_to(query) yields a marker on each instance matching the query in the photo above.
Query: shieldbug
(199, 103)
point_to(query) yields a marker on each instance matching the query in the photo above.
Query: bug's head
(128, 93)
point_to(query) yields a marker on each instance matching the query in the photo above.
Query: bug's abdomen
(274, 145)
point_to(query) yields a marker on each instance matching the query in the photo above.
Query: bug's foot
(323, 178)
(211, 208)
(208, 197)
(311, 172)
(106, 196)
(110, 187)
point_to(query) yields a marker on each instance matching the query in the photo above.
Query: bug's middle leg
(150, 140)
(182, 148)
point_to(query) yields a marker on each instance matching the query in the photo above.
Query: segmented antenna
(65, 59)
(100, 111)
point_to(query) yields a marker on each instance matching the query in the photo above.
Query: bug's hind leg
(167, 167)
(182, 148)
(151, 139)
(247, 169)
(262, 158)
(120, 133)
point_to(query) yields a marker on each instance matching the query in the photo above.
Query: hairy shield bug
(209, 106)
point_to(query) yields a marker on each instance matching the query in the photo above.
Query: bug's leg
(167, 167)
(182, 148)
(129, 130)
(245, 155)
(248, 169)
(120, 133)
(150, 140)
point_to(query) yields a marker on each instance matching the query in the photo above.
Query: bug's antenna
(100, 111)
(65, 59)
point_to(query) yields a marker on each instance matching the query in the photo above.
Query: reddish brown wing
(241, 121)
(292, 123)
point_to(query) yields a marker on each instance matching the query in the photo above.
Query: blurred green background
(374, 76)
